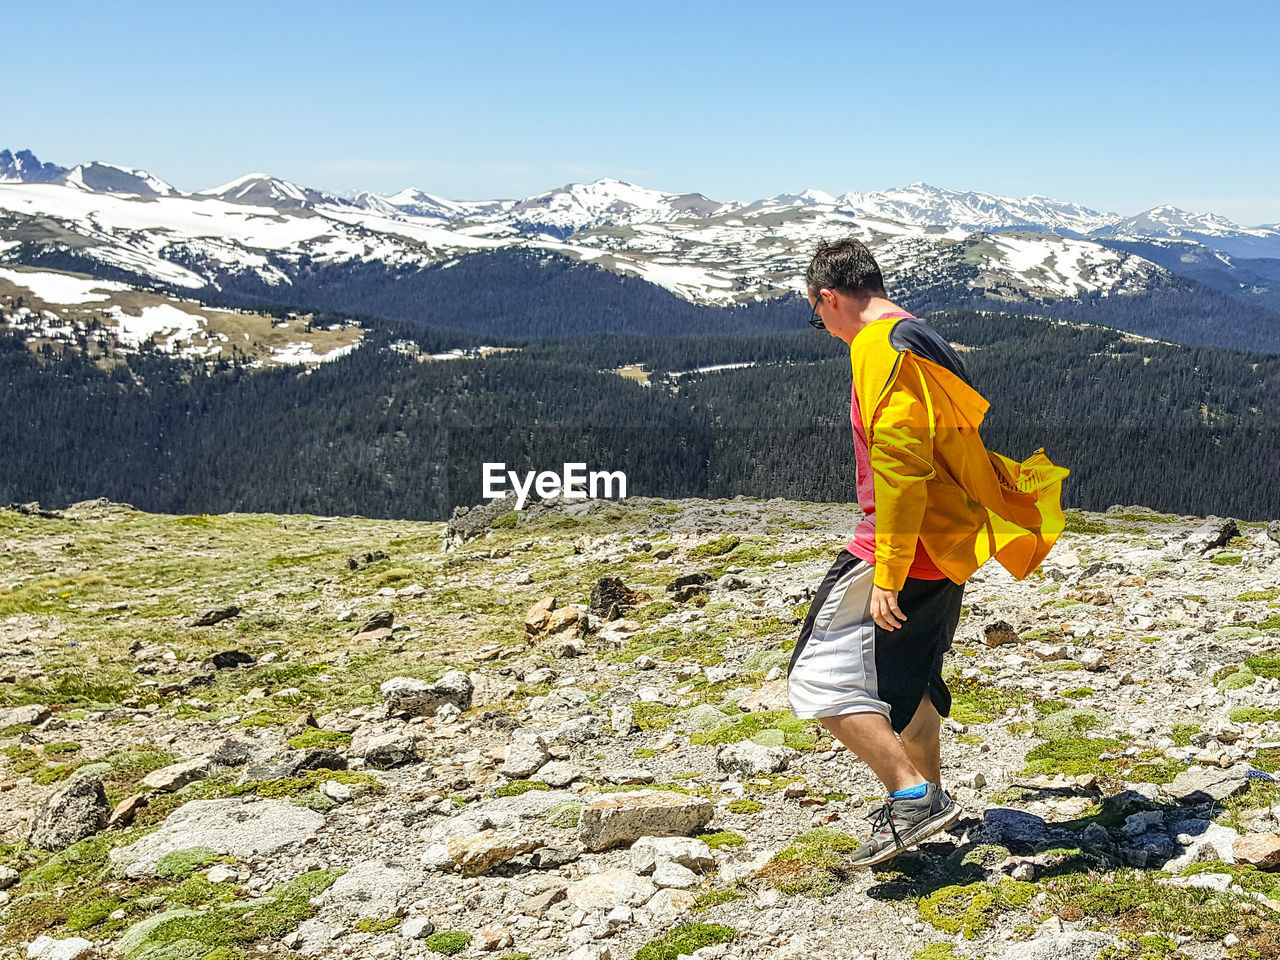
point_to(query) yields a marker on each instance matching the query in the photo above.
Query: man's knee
(926, 723)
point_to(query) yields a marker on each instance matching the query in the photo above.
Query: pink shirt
(863, 543)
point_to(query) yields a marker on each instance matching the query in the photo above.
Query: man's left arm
(901, 449)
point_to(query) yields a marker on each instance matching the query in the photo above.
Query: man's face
(826, 311)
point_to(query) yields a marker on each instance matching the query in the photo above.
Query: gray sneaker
(904, 823)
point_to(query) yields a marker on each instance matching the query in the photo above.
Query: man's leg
(872, 740)
(920, 741)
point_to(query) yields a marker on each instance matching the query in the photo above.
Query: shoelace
(884, 818)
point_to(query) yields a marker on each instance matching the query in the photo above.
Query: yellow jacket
(935, 480)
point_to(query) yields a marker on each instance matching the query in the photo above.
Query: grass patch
(517, 787)
(745, 805)
(722, 838)
(975, 702)
(812, 865)
(448, 943)
(800, 734)
(313, 738)
(971, 909)
(713, 898)
(685, 939)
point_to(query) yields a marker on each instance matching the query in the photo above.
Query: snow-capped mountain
(262, 227)
(1213, 231)
(925, 205)
(605, 202)
(418, 203)
(100, 177)
(23, 167)
(263, 190)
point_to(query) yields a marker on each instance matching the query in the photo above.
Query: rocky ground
(563, 733)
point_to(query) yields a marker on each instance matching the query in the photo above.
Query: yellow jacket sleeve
(901, 449)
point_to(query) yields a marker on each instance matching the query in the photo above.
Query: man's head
(843, 278)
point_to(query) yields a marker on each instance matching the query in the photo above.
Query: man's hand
(884, 608)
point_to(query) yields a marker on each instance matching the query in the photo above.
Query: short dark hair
(845, 265)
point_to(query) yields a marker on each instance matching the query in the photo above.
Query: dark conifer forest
(1186, 429)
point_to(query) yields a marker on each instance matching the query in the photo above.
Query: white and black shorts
(843, 662)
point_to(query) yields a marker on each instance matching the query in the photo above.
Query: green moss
(517, 787)
(715, 548)
(971, 862)
(971, 909)
(1078, 693)
(800, 734)
(812, 866)
(448, 943)
(314, 738)
(564, 816)
(1050, 706)
(377, 925)
(713, 898)
(1226, 559)
(745, 805)
(937, 951)
(1078, 523)
(644, 753)
(652, 716)
(1068, 723)
(1138, 897)
(309, 780)
(1182, 733)
(1252, 715)
(685, 939)
(722, 838)
(976, 702)
(1264, 666)
(1249, 596)
(227, 926)
(183, 863)
(653, 611)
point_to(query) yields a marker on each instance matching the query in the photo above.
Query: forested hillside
(383, 433)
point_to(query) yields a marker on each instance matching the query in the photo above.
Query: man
(937, 504)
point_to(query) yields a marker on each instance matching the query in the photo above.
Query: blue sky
(1119, 106)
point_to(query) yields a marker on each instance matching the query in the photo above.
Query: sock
(911, 793)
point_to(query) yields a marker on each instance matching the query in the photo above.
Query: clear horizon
(1118, 109)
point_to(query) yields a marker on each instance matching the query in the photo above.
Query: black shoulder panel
(924, 341)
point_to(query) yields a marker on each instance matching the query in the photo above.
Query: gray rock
(416, 928)
(620, 819)
(47, 948)
(610, 888)
(1079, 945)
(578, 730)
(368, 889)
(627, 775)
(539, 904)
(648, 852)
(421, 699)
(227, 826)
(383, 751)
(559, 773)
(467, 523)
(549, 858)
(293, 763)
(178, 775)
(30, 714)
(1214, 532)
(76, 810)
(750, 759)
(670, 874)
(1198, 784)
(525, 754)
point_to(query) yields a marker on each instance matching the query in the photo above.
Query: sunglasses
(815, 320)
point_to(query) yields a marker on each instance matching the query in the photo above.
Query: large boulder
(226, 826)
(748, 759)
(76, 810)
(620, 819)
(421, 699)
(609, 889)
